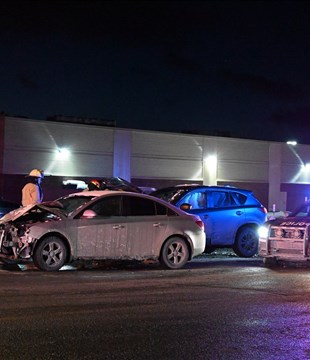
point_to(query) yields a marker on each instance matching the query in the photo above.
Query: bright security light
(211, 161)
(63, 153)
(292, 142)
(307, 167)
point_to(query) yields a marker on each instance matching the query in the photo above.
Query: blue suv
(231, 215)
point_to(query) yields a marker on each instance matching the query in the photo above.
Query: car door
(103, 235)
(219, 212)
(147, 222)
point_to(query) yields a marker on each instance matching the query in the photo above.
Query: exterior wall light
(62, 153)
(292, 142)
(210, 170)
(307, 167)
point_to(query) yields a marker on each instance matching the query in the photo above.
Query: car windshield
(71, 203)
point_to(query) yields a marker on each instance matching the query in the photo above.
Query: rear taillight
(200, 224)
(263, 210)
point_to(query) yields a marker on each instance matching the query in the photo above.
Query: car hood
(290, 221)
(17, 213)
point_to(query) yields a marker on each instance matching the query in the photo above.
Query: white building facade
(276, 172)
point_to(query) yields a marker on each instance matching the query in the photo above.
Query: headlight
(263, 232)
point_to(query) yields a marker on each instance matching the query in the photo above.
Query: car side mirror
(185, 207)
(88, 214)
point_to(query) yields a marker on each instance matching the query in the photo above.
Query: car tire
(175, 253)
(50, 254)
(246, 243)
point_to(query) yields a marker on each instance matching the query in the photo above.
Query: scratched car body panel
(101, 225)
(287, 238)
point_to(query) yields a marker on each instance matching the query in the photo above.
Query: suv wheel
(246, 243)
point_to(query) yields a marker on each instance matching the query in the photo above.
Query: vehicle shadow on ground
(222, 258)
(203, 261)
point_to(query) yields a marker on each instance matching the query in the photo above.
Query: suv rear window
(239, 198)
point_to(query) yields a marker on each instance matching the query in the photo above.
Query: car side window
(136, 206)
(163, 210)
(197, 199)
(221, 199)
(190, 199)
(239, 198)
(109, 206)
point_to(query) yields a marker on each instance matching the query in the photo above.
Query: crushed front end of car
(285, 240)
(16, 241)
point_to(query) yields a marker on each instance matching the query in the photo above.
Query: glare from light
(302, 165)
(306, 167)
(210, 170)
(263, 232)
(212, 162)
(62, 153)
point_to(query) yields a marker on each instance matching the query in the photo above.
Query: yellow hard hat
(36, 173)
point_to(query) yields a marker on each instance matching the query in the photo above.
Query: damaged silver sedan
(96, 225)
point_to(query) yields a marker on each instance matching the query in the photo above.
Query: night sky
(228, 68)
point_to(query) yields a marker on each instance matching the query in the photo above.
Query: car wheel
(246, 243)
(50, 254)
(175, 253)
